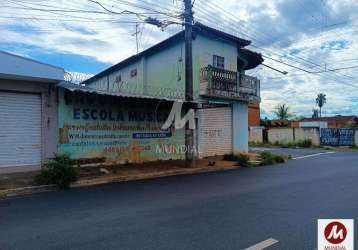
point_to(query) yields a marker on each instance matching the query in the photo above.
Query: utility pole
(188, 21)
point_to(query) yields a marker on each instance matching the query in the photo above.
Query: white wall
(286, 135)
(256, 134)
(281, 135)
(312, 134)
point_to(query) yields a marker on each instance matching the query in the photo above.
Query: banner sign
(126, 131)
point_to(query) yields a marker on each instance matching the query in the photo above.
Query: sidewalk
(22, 183)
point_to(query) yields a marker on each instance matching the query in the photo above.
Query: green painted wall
(163, 74)
(121, 130)
(203, 50)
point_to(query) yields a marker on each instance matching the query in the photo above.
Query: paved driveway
(226, 210)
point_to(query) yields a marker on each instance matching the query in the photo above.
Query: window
(218, 62)
(133, 72)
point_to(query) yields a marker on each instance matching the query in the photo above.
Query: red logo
(335, 232)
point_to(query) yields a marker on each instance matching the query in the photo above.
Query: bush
(279, 159)
(307, 143)
(59, 171)
(267, 158)
(243, 160)
(230, 157)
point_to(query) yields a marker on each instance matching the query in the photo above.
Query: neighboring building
(119, 112)
(254, 115)
(28, 112)
(330, 122)
(255, 129)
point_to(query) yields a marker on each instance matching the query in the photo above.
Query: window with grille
(218, 62)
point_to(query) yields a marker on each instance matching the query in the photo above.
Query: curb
(26, 191)
(8, 193)
(116, 179)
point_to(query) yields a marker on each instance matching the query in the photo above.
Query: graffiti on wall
(337, 137)
(120, 132)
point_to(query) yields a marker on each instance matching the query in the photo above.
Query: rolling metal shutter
(215, 131)
(20, 129)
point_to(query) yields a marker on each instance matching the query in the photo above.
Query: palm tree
(315, 113)
(282, 112)
(320, 100)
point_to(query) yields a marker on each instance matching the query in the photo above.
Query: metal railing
(249, 85)
(215, 82)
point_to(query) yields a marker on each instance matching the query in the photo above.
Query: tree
(282, 112)
(315, 113)
(320, 100)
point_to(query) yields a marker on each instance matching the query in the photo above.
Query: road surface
(226, 210)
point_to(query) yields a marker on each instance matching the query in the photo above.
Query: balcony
(219, 83)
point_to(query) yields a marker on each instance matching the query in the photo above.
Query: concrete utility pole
(189, 133)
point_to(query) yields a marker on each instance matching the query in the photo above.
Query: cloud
(314, 35)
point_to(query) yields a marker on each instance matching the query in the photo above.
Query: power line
(314, 64)
(310, 62)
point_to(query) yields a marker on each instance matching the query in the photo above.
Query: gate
(337, 136)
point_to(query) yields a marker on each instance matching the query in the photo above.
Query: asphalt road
(290, 151)
(226, 210)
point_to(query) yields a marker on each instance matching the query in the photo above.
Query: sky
(314, 41)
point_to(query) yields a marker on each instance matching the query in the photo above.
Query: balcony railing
(219, 83)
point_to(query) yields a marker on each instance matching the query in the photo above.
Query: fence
(287, 135)
(325, 136)
(256, 134)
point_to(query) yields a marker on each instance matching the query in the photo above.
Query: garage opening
(215, 131)
(20, 129)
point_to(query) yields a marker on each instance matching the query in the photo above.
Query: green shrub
(243, 160)
(267, 158)
(230, 157)
(59, 171)
(307, 143)
(279, 159)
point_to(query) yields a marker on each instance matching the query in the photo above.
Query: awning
(254, 59)
(85, 89)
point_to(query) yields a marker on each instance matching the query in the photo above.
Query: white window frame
(218, 62)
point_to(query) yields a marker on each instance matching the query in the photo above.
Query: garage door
(20, 129)
(215, 131)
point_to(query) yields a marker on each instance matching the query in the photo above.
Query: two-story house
(138, 92)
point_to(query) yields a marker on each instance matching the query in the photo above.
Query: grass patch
(244, 161)
(307, 143)
(268, 158)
